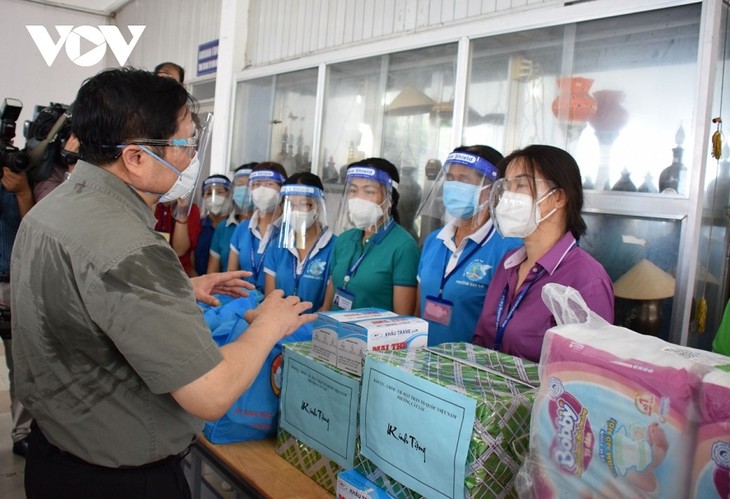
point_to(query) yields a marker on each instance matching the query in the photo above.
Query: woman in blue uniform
(252, 237)
(299, 262)
(375, 259)
(459, 260)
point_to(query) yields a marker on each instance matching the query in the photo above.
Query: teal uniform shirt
(391, 261)
(220, 245)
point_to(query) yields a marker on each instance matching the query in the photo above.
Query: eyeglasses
(191, 143)
(523, 183)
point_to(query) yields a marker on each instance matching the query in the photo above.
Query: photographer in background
(52, 148)
(16, 199)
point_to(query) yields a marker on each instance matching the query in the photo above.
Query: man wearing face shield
(299, 263)
(375, 260)
(251, 238)
(216, 205)
(112, 356)
(241, 209)
(459, 260)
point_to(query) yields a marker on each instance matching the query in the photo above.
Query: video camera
(45, 136)
(10, 156)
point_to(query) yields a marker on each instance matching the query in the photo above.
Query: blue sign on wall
(208, 58)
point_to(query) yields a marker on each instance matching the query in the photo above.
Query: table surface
(257, 463)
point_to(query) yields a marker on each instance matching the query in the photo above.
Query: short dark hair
(561, 169)
(490, 154)
(385, 166)
(122, 104)
(270, 165)
(171, 65)
(246, 166)
(305, 178)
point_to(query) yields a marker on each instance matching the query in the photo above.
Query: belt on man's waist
(71, 457)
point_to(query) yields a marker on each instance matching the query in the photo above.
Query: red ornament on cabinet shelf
(610, 117)
(574, 106)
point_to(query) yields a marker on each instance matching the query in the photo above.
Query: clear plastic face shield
(303, 217)
(214, 197)
(264, 186)
(240, 194)
(515, 204)
(202, 135)
(367, 199)
(460, 191)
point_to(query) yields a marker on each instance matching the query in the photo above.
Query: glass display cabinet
(628, 94)
(275, 120)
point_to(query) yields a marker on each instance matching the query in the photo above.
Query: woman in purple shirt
(539, 199)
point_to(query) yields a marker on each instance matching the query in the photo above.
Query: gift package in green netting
(447, 421)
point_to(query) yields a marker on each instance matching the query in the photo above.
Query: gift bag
(254, 414)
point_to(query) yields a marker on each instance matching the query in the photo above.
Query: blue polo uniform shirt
(466, 286)
(250, 246)
(312, 273)
(220, 245)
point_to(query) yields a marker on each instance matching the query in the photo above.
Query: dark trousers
(53, 473)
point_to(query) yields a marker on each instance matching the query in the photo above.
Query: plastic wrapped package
(616, 414)
(318, 416)
(307, 460)
(711, 470)
(446, 421)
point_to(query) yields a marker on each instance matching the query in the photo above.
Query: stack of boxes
(448, 421)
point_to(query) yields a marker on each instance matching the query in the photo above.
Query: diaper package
(711, 470)
(617, 413)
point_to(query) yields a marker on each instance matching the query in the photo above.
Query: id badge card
(343, 299)
(438, 310)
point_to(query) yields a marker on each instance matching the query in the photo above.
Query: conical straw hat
(410, 101)
(645, 281)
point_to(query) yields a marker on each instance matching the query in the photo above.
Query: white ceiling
(101, 7)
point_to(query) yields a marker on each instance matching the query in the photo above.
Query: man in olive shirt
(112, 356)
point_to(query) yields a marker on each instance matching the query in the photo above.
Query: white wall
(175, 29)
(293, 28)
(24, 74)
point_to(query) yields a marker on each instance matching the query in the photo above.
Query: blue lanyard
(256, 268)
(500, 308)
(376, 240)
(298, 276)
(462, 261)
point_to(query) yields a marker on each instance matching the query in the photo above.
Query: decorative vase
(648, 185)
(610, 117)
(574, 106)
(607, 122)
(624, 183)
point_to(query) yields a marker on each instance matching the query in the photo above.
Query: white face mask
(302, 220)
(265, 199)
(518, 215)
(215, 204)
(185, 181)
(364, 214)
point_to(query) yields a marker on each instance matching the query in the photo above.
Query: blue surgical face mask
(240, 193)
(460, 199)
